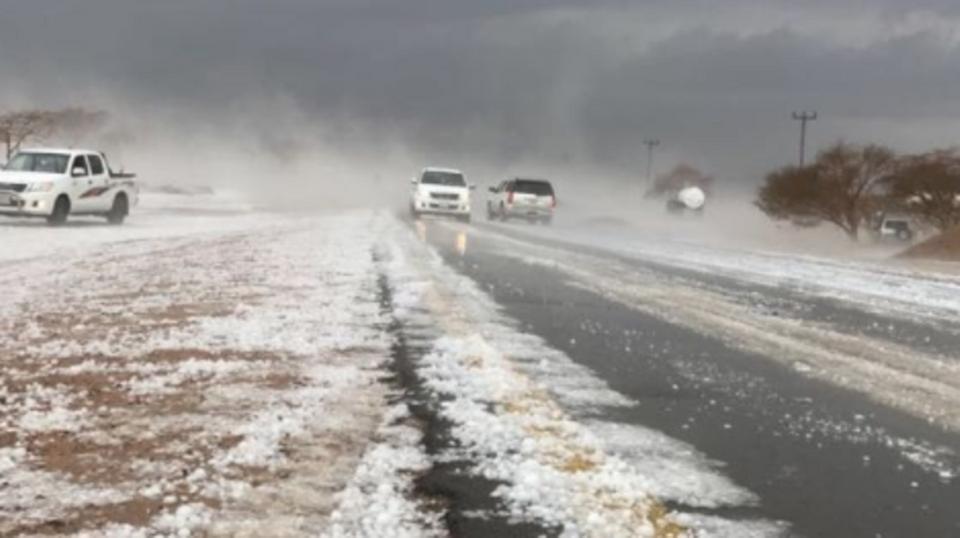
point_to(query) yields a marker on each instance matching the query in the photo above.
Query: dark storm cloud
(728, 99)
(499, 78)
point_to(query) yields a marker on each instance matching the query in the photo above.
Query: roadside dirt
(945, 247)
(135, 399)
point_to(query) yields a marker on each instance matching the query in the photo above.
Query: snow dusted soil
(201, 374)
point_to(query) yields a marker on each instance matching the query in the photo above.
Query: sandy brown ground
(945, 246)
(164, 387)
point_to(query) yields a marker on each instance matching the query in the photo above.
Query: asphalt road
(826, 460)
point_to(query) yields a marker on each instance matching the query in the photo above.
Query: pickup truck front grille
(444, 196)
(13, 187)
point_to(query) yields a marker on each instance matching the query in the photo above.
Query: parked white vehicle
(898, 228)
(531, 199)
(57, 183)
(441, 191)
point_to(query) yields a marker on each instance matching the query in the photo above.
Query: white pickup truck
(57, 183)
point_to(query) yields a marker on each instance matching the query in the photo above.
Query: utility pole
(650, 143)
(803, 118)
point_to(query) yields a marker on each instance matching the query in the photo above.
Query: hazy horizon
(369, 91)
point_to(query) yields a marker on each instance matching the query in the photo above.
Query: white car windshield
(448, 179)
(52, 163)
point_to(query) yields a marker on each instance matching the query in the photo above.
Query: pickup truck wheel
(119, 210)
(61, 209)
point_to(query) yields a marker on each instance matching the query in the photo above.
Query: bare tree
(837, 188)
(19, 127)
(928, 187)
(682, 176)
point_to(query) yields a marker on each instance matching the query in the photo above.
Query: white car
(530, 199)
(57, 183)
(899, 228)
(441, 191)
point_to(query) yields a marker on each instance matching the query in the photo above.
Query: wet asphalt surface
(822, 459)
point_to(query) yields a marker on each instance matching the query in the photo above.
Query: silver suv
(530, 199)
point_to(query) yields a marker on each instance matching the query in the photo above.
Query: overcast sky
(510, 81)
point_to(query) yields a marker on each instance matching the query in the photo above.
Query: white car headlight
(42, 186)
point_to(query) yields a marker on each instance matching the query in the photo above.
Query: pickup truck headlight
(43, 186)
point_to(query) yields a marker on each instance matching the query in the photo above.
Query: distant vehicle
(441, 191)
(894, 227)
(530, 199)
(690, 199)
(57, 183)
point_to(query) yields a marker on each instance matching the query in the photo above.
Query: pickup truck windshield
(51, 163)
(448, 179)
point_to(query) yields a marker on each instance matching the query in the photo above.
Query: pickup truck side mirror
(413, 181)
(78, 172)
(473, 187)
(492, 189)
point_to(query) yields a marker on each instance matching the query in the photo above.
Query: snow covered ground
(212, 369)
(225, 372)
(201, 373)
(158, 216)
(879, 284)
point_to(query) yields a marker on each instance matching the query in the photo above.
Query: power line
(803, 118)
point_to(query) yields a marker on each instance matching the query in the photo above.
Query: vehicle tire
(503, 213)
(119, 211)
(490, 213)
(904, 235)
(61, 210)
